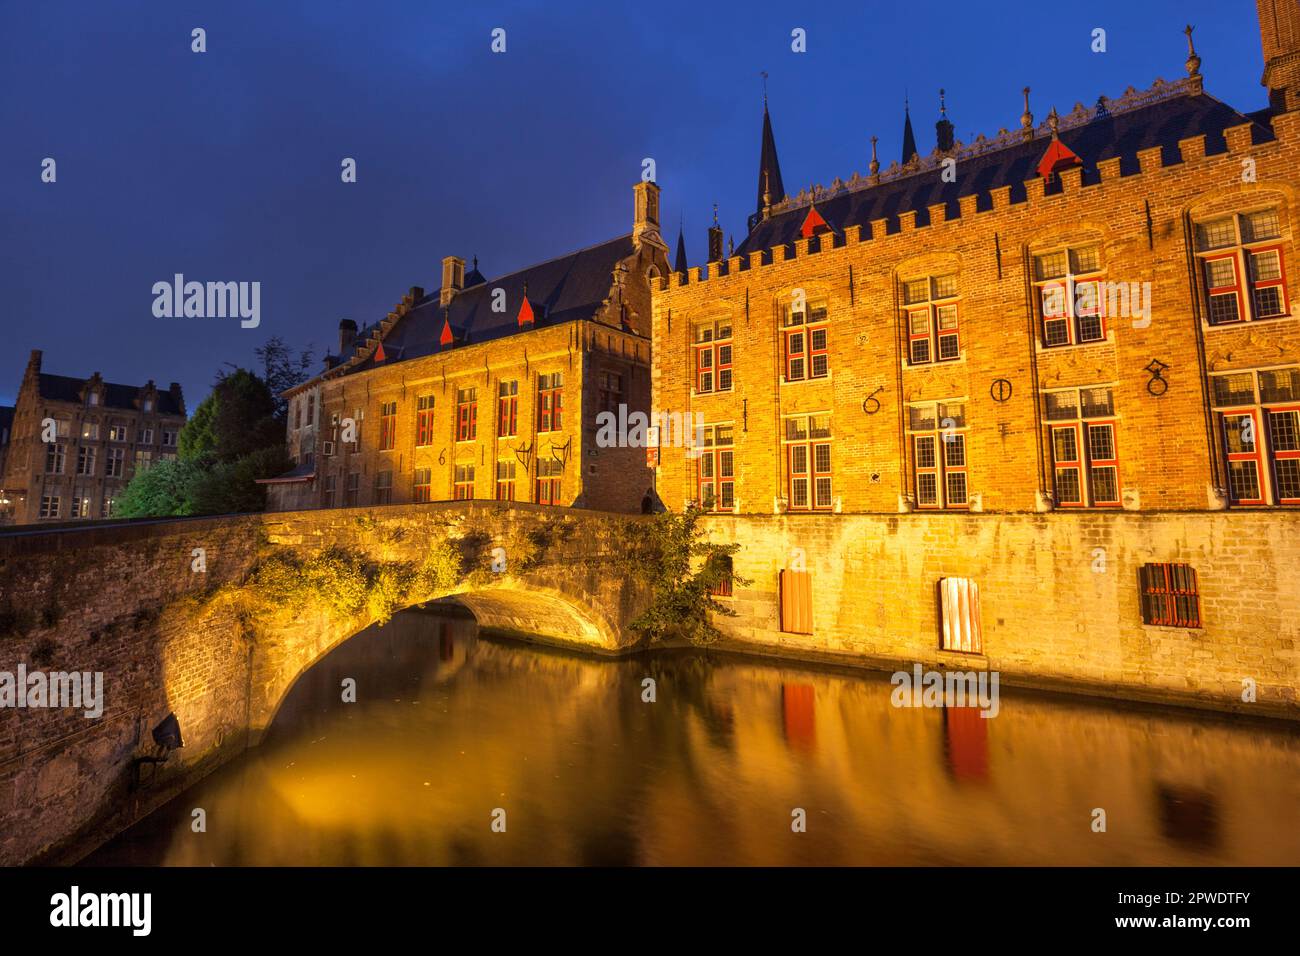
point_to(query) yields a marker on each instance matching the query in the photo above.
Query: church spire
(909, 138)
(680, 264)
(769, 168)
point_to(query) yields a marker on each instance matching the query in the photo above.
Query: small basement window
(1171, 595)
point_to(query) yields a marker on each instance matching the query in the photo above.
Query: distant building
(488, 388)
(75, 443)
(6, 428)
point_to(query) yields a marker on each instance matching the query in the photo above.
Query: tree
(282, 369)
(160, 491)
(684, 571)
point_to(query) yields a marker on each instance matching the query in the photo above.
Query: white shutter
(959, 600)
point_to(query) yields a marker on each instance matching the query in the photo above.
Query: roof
(65, 388)
(304, 472)
(566, 289)
(1094, 135)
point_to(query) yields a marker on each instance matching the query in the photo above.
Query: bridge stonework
(1059, 596)
(125, 600)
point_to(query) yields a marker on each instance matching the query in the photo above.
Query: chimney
(645, 213)
(177, 396)
(1279, 32)
(715, 238)
(347, 333)
(453, 278)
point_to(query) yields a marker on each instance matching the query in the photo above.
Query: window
(808, 462)
(353, 490)
(549, 472)
(466, 414)
(959, 609)
(505, 480)
(146, 436)
(464, 484)
(424, 420)
(507, 409)
(148, 405)
(92, 398)
(56, 453)
(388, 428)
(311, 409)
(422, 481)
(384, 488)
(114, 465)
(90, 431)
(716, 468)
(796, 601)
(297, 415)
(932, 330)
(49, 506)
(80, 506)
(169, 438)
(1081, 425)
(1067, 288)
(938, 437)
(143, 459)
(328, 491)
(805, 343)
(1242, 267)
(550, 399)
(86, 460)
(106, 505)
(713, 356)
(609, 393)
(1170, 595)
(117, 433)
(1258, 413)
(724, 586)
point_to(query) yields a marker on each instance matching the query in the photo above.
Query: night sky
(225, 165)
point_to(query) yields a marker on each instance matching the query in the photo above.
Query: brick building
(487, 388)
(101, 433)
(1088, 312)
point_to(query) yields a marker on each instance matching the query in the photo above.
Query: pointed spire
(1193, 61)
(680, 264)
(945, 133)
(909, 138)
(769, 167)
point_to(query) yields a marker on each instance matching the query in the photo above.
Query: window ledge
(805, 381)
(1249, 323)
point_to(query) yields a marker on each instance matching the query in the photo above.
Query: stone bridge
(214, 619)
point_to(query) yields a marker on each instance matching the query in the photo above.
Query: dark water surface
(450, 726)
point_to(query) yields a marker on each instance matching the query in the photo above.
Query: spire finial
(715, 214)
(875, 163)
(1053, 122)
(943, 109)
(476, 263)
(767, 191)
(1027, 118)
(763, 74)
(1193, 61)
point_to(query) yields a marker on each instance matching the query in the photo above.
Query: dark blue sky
(225, 165)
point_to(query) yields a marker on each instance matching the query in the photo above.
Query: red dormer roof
(812, 222)
(526, 316)
(1058, 157)
(379, 351)
(447, 337)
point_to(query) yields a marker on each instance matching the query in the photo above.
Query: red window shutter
(796, 602)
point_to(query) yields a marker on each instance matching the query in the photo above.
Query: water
(450, 726)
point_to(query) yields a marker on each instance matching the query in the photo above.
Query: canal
(450, 727)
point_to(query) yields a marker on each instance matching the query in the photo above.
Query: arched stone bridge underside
(176, 617)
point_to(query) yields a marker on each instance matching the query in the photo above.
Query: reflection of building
(1091, 312)
(75, 443)
(488, 388)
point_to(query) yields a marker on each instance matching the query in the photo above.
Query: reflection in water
(450, 725)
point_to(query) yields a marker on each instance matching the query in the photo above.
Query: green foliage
(282, 369)
(683, 569)
(161, 491)
(231, 487)
(197, 439)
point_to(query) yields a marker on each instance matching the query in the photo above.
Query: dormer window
(92, 398)
(148, 405)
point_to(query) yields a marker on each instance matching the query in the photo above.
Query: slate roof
(65, 388)
(565, 289)
(1106, 135)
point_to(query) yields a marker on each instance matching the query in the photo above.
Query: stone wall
(1059, 597)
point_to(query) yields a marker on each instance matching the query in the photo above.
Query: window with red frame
(1170, 594)
(549, 473)
(550, 402)
(1243, 268)
(505, 480)
(716, 469)
(805, 332)
(1085, 463)
(1067, 291)
(724, 586)
(507, 409)
(466, 414)
(421, 483)
(932, 328)
(464, 482)
(1258, 414)
(387, 426)
(424, 420)
(937, 431)
(713, 357)
(808, 462)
